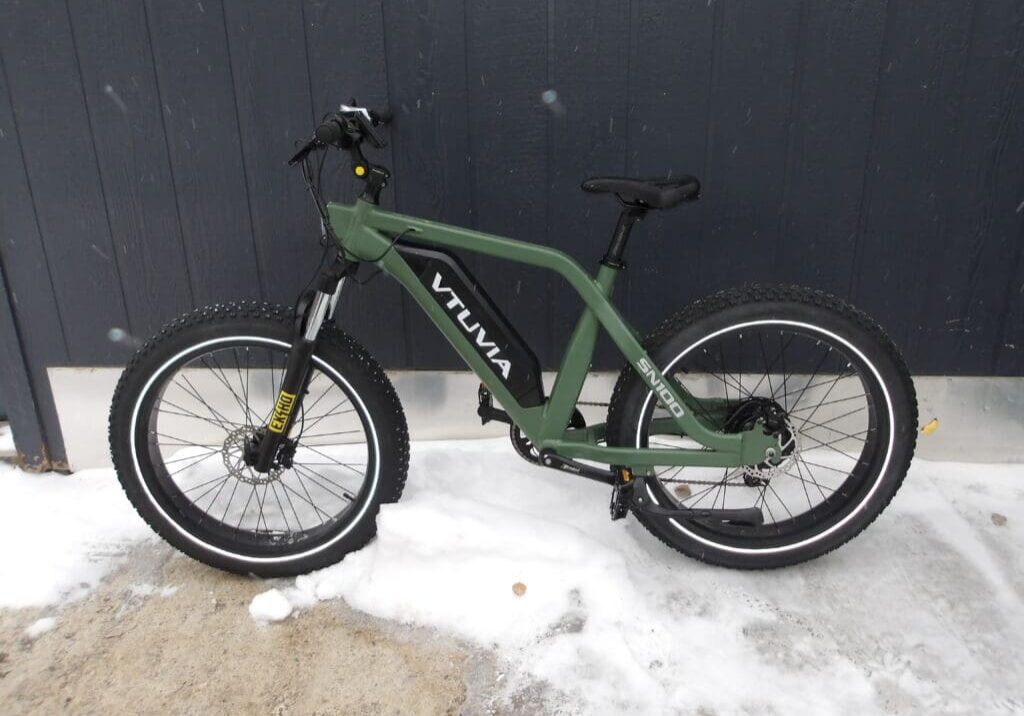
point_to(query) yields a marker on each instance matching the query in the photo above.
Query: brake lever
(366, 125)
(367, 121)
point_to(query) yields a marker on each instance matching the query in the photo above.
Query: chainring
(525, 447)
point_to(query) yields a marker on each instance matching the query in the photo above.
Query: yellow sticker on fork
(282, 411)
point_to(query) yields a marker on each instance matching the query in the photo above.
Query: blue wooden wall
(873, 149)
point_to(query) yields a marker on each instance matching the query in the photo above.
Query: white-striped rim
(881, 473)
(322, 365)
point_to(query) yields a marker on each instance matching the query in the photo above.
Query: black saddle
(659, 193)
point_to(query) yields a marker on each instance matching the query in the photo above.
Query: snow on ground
(920, 614)
(40, 626)
(60, 534)
(906, 617)
(6, 440)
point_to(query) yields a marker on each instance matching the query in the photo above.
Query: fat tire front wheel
(830, 384)
(194, 399)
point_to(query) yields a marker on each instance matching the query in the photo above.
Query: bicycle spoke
(845, 435)
(309, 476)
(308, 498)
(753, 369)
(235, 502)
(329, 414)
(333, 461)
(246, 508)
(813, 376)
(825, 397)
(191, 464)
(204, 484)
(194, 393)
(287, 497)
(822, 405)
(208, 451)
(284, 515)
(218, 373)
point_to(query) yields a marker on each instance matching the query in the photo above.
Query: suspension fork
(310, 316)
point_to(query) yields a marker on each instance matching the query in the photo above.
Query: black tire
(148, 482)
(817, 319)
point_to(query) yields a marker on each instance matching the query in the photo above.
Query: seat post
(631, 214)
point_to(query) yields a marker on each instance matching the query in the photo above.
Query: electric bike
(759, 427)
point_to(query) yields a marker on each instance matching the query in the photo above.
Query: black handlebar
(346, 129)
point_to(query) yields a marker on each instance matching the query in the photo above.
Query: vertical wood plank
(347, 58)
(53, 124)
(755, 62)
(830, 128)
(911, 174)
(193, 72)
(979, 325)
(17, 396)
(670, 85)
(588, 135)
(268, 61)
(119, 83)
(30, 328)
(508, 131)
(983, 327)
(429, 137)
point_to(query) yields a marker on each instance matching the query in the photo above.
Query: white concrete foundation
(980, 419)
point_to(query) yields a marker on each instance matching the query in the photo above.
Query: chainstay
(595, 404)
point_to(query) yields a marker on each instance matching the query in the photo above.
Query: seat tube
(576, 362)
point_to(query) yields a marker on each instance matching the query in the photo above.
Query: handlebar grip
(330, 132)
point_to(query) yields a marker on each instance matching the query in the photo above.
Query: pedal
(486, 409)
(621, 495)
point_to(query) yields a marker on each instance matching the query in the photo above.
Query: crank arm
(548, 458)
(750, 516)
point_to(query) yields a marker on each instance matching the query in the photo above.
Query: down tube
(528, 419)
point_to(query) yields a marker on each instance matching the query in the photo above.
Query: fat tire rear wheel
(161, 505)
(889, 385)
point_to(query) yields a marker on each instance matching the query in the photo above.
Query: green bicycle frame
(366, 232)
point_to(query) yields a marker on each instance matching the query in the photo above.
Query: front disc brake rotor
(233, 453)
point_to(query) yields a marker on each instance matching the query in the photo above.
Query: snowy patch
(270, 606)
(61, 533)
(921, 614)
(40, 626)
(149, 590)
(6, 440)
(617, 623)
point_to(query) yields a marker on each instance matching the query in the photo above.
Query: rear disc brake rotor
(775, 422)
